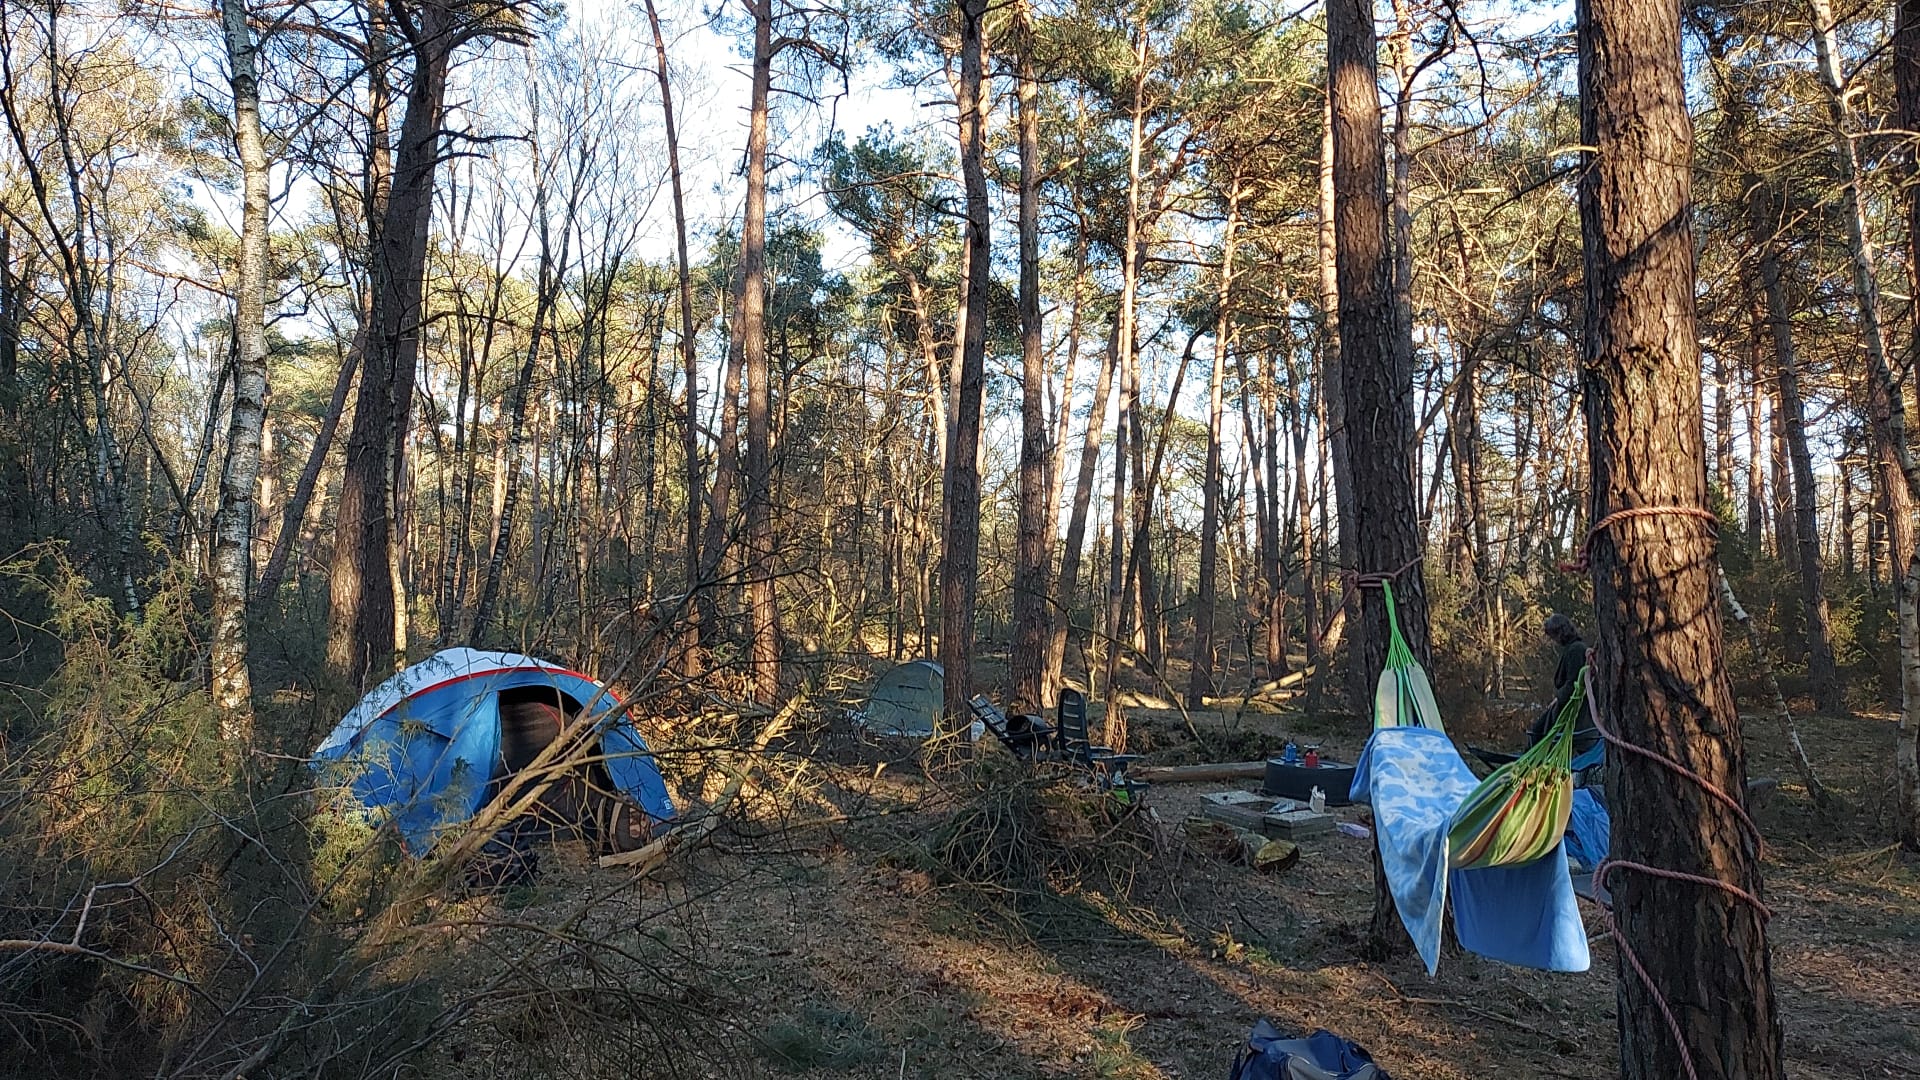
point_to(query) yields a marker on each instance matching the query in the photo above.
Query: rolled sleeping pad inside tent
(428, 747)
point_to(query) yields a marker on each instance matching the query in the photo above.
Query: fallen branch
(646, 859)
(1193, 774)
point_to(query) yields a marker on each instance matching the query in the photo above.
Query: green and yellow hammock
(1517, 814)
(1404, 696)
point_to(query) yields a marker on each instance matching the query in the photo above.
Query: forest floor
(843, 950)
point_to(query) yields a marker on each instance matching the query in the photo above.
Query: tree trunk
(1722, 427)
(1333, 393)
(1756, 482)
(762, 613)
(1791, 421)
(1030, 635)
(360, 637)
(1887, 408)
(1906, 83)
(1056, 488)
(1377, 372)
(1817, 791)
(295, 510)
(690, 662)
(16, 507)
(1780, 477)
(960, 547)
(715, 545)
(1070, 552)
(233, 522)
(1128, 396)
(1659, 671)
(550, 279)
(1200, 665)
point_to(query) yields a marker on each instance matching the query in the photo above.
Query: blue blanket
(1589, 831)
(1525, 915)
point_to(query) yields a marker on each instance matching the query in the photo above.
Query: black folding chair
(1077, 745)
(1029, 739)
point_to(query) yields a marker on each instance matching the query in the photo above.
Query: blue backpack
(1269, 1055)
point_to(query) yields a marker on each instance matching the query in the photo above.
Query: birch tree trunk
(233, 522)
(1659, 670)
(1887, 408)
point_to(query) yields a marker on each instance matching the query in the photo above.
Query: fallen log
(1194, 774)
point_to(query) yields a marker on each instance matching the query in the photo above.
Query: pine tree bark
(1658, 668)
(1333, 393)
(360, 634)
(762, 613)
(1791, 421)
(1376, 372)
(960, 547)
(1200, 663)
(1030, 614)
(1906, 84)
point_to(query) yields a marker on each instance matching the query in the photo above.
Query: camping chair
(1077, 744)
(1033, 742)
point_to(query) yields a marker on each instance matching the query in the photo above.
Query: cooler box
(1296, 781)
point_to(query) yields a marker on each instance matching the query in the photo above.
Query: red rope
(1353, 581)
(1607, 866)
(1584, 557)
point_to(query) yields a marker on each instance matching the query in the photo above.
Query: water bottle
(977, 731)
(1291, 754)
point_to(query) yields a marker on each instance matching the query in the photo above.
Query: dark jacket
(1566, 674)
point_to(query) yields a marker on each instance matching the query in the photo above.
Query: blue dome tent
(427, 744)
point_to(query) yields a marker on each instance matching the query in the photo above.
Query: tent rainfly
(907, 700)
(430, 745)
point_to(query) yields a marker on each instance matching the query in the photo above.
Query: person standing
(1571, 650)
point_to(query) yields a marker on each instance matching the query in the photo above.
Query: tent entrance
(582, 802)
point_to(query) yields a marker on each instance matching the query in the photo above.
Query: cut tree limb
(1194, 774)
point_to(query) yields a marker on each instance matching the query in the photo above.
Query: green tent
(907, 700)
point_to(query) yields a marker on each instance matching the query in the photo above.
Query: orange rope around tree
(1583, 559)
